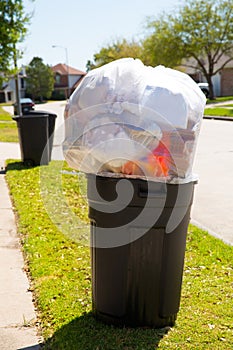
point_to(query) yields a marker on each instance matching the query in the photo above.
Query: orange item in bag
(156, 164)
(160, 159)
(131, 168)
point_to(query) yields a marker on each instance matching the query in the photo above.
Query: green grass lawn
(220, 99)
(8, 127)
(219, 111)
(5, 104)
(8, 132)
(4, 116)
(51, 210)
(226, 106)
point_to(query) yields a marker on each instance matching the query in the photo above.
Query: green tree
(40, 79)
(199, 35)
(13, 27)
(118, 49)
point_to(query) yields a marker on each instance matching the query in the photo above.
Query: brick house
(222, 81)
(227, 81)
(66, 80)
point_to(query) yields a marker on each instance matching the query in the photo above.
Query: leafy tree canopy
(40, 79)
(199, 36)
(116, 50)
(13, 28)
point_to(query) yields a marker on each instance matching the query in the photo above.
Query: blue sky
(84, 27)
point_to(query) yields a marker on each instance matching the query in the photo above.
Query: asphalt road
(213, 199)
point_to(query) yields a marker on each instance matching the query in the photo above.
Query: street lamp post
(67, 67)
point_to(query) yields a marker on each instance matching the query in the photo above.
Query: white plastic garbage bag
(130, 119)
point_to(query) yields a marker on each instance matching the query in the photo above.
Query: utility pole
(17, 88)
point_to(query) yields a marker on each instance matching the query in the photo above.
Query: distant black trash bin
(51, 127)
(35, 131)
(138, 283)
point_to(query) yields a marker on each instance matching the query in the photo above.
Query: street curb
(215, 117)
(211, 232)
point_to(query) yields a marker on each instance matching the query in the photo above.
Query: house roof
(62, 69)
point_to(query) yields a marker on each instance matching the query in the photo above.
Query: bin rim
(38, 112)
(34, 114)
(118, 176)
(28, 116)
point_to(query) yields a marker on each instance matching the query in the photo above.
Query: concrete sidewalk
(18, 329)
(17, 317)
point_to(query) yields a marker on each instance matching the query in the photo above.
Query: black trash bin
(137, 276)
(35, 131)
(52, 121)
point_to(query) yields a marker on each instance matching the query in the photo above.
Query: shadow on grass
(20, 165)
(86, 333)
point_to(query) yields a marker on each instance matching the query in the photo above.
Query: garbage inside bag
(129, 119)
